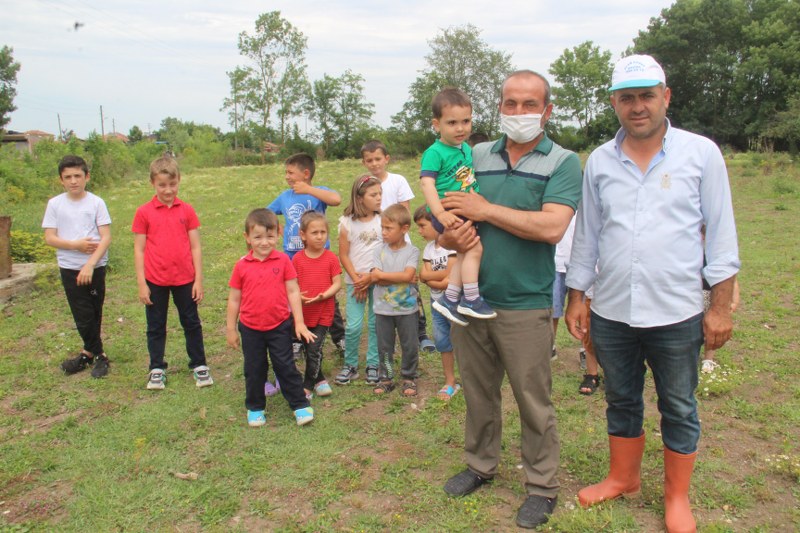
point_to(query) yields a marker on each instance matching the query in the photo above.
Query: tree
(458, 58)
(731, 64)
(583, 75)
(135, 135)
(785, 126)
(243, 90)
(278, 73)
(340, 109)
(8, 82)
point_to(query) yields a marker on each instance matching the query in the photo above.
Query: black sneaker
(347, 374)
(463, 483)
(100, 368)
(535, 511)
(76, 364)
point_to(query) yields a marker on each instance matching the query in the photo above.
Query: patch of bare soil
(40, 504)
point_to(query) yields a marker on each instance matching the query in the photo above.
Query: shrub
(27, 247)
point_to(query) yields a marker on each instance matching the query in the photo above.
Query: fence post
(5, 246)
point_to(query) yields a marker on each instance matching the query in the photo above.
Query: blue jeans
(672, 354)
(355, 321)
(441, 331)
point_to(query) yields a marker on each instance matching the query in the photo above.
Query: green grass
(98, 455)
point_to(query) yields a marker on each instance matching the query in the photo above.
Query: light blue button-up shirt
(642, 231)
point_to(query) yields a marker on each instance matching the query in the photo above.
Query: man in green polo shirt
(530, 189)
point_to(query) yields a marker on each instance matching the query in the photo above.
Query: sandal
(383, 387)
(409, 388)
(447, 392)
(589, 384)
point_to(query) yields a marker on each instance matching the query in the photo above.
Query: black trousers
(313, 351)
(157, 324)
(277, 343)
(86, 304)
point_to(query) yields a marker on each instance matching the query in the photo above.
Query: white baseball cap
(635, 72)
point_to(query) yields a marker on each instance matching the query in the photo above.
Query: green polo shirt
(518, 273)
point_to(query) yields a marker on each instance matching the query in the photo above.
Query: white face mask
(521, 128)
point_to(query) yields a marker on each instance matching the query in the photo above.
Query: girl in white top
(359, 236)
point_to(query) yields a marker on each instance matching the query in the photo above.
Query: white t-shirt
(437, 256)
(364, 239)
(564, 247)
(75, 220)
(394, 189)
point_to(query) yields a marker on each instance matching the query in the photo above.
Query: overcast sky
(144, 61)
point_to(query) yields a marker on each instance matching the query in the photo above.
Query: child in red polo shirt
(264, 296)
(166, 252)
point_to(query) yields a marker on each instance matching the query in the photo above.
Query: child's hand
(362, 281)
(197, 292)
(233, 338)
(375, 275)
(85, 275)
(303, 333)
(306, 300)
(448, 220)
(86, 245)
(360, 295)
(144, 295)
(301, 187)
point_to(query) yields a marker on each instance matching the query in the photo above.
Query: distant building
(116, 137)
(24, 142)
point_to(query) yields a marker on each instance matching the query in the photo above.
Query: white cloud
(144, 61)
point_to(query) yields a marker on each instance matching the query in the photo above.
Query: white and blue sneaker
(476, 308)
(449, 309)
(304, 415)
(157, 379)
(202, 376)
(323, 389)
(256, 418)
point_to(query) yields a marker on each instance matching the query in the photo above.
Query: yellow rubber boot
(678, 469)
(624, 476)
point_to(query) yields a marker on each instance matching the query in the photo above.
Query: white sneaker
(157, 380)
(202, 377)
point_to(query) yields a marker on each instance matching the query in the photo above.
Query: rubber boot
(677, 478)
(624, 476)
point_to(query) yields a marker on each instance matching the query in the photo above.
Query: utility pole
(102, 124)
(60, 137)
(114, 125)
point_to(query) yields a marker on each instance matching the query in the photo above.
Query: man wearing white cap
(646, 195)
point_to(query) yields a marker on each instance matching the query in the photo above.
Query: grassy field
(79, 454)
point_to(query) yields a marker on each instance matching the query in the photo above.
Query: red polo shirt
(167, 254)
(265, 304)
(314, 277)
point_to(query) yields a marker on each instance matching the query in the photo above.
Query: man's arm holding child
(139, 242)
(296, 305)
(327, 196)
(197, 260)
(547, 225)
(232, 316)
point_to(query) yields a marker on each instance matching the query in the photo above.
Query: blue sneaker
(450, 310)
(256, 418)
(477, 308)
(323, 389)
(304, 416)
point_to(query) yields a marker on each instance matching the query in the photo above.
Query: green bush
(27, 247)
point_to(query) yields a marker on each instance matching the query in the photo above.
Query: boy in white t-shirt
(394, 190)
(77, 224)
